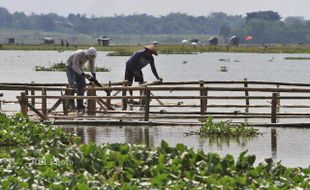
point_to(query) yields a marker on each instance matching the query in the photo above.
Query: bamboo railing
(169, 101)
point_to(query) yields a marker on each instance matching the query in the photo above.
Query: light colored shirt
(78, 59)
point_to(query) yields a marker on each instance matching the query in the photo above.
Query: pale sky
(158, 7)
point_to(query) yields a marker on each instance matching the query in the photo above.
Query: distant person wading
(76, 76)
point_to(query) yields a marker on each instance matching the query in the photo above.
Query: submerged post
(65, 102)
(147, 104)
(124, 99)
(26, 95)
(43, 106)
(23, 106)
(274, 108)
(33, 100)
(202, 100)
(278, 99)
(246, 94)
(109, 94)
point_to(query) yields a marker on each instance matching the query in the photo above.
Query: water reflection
(138, 136)
(281, 144)
(274, 143)
(221, 142)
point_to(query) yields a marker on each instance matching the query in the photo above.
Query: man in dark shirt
(138, 61)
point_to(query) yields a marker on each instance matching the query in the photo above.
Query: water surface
(288, 145)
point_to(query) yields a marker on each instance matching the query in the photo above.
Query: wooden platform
(258, 103)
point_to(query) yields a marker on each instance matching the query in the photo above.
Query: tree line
(263, 26)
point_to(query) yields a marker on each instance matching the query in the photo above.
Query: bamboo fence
(261, 101)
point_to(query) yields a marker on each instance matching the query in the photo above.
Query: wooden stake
(246, 93)
(274, 108)
(147, 105)
(43, 108)
(91, 104)
(202, 100)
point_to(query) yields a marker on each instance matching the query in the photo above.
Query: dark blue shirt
(139, 60)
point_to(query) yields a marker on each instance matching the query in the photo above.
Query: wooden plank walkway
(259, 103)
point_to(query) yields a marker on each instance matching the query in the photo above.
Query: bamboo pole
(26, 94)
(160, 102)
(22, 100)
(102, 106)
(91, 103)
(67, 101)
(105, 104)
(44, 101)
(169, 97)
(147, 104)
(220, 106)
(108, 92)
(202, 100)
(274, 108)
(237, 82)
(55, 106)
(24, 104)
(170, 117)
(169, 83)
(33, 93)
(164, 88)
(124, 100)
(278, 99)
(246, 93)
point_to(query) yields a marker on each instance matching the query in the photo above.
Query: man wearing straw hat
(138, 61)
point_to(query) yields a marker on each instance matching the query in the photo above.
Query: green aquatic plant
(224, 128)
(297, 58)
(124, 166)
(121, 52)
(20, 131)
(62, 67)
(167, 48)
(50, 159)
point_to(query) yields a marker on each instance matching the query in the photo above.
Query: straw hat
(152, 48)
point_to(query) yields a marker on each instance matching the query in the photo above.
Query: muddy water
(283, 144)
(288, 145)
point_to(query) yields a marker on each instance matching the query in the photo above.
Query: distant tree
(20, 21)
(263, 15)
(5, 18)
(47, 22)
(225, 31)
(295, 21)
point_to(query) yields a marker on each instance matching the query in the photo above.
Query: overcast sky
(158, 7)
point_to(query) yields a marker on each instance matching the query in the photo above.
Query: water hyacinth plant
(20, 131)
(50, 160)
(62, 67)
(297, 58)
(224, 129)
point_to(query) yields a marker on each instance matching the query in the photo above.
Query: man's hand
(88, 76)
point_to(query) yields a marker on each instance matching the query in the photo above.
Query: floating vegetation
(50, 160)
(223, 69)
(20, 131)
(297, 58)
(169, 48)
(224, 60)
(63, 66)
(121, 52)
(224, 129)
